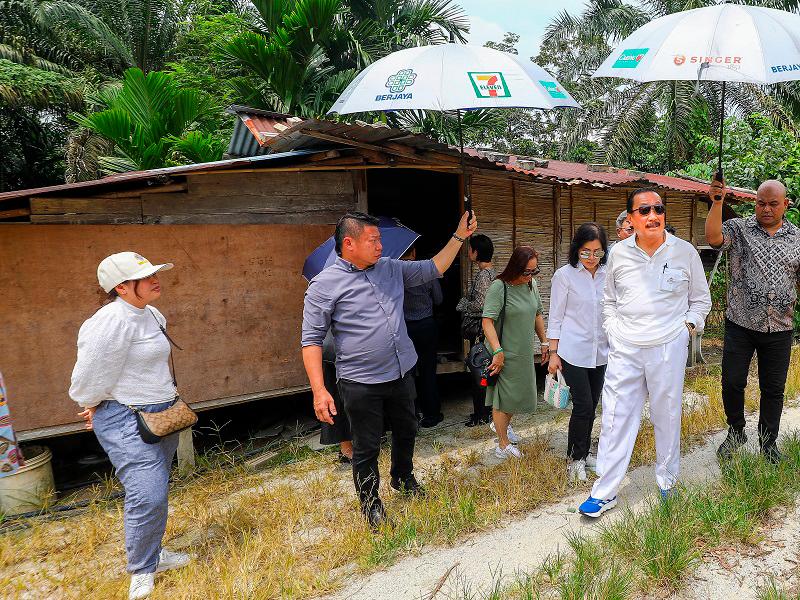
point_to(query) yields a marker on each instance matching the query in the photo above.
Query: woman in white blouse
(578, 344)
(123, 364)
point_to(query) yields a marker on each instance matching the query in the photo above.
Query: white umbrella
(725, 42)
(451, 77)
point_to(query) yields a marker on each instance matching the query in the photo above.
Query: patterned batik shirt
(764, 274)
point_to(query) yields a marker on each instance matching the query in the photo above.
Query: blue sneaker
(594, 507)
(667, 494)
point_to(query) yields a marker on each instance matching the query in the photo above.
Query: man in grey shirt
(360, 298)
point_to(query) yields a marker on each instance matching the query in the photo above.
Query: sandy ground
(522, 545)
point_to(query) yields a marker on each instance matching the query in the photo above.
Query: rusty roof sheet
(572, 173)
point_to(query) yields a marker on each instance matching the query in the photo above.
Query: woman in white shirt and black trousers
(578, 344)
(123, 362)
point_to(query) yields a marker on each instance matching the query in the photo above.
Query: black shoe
(734, 441)
(472, 421)
(375, 514)
(431, 421)
(407, 486)
(486, 418)
(772, 454)
(345, 460)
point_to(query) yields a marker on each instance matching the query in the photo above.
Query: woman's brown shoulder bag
(155, 426)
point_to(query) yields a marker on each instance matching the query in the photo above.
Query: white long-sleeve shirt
(576, 315)
(122, 356)
(648, 300)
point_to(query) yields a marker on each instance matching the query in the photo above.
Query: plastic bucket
(32, 487)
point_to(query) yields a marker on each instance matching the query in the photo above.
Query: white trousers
(633, 373)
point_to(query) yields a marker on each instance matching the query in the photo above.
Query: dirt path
(522, 545)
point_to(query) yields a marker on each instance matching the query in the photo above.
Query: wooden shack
(239, 230)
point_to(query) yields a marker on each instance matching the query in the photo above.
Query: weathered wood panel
(493, 200)
(233, 301)
(536, 227)
(91, 205)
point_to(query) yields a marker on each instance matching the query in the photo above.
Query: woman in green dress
(510, 336)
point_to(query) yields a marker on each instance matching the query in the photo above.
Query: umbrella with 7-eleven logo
(449, 77)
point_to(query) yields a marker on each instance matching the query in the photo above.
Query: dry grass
(296, 532)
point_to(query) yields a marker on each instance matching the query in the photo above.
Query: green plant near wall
(153, 123)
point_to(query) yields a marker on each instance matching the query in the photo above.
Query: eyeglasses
(626, 229)
(531, 272)
(585, 254)
(645, 210)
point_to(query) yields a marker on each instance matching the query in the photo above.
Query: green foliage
(152, 123)
(650, 125)
(27, 86)
(754, 150)
(306, 52)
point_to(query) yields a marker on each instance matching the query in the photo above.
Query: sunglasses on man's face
(531, 272)
(645, 210)
(586, 254)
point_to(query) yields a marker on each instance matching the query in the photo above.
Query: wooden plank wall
(245, 198)
(514, 212)
(233, 302)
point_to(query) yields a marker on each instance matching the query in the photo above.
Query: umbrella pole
(467, 194)
(718, 174)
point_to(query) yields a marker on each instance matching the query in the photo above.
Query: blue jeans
(143, 469)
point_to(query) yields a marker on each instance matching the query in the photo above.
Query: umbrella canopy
(396, 239)
(725, 42)
(451, 77)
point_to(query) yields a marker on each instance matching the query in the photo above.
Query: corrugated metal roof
(254, 127)
(155, 174)
(579, 173)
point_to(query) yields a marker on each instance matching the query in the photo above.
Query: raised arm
(447, 255)
(716, 192)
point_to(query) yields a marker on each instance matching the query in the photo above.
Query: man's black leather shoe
(375, 514)
(408, 486)
(734, 441)
(772, 454)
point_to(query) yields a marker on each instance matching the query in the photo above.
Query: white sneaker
(576, 471)
(510, 450)
(512, 437)
(591, 462)
(141, 586)
(171, 560)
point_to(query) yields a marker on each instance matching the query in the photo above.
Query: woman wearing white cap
(123, 363)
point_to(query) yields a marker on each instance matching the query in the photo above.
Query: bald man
(764, 253)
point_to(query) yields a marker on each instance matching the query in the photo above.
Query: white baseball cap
(125, 266)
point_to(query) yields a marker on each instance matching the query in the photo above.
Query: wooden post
(360, 189)
(186, 462)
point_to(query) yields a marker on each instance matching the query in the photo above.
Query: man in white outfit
(656, 295)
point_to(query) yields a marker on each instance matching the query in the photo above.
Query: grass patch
(660, 546)
(296, 531)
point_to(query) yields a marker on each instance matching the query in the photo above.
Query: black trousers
(773, 351)
(585, 385)
(366, 405)
(424, 335)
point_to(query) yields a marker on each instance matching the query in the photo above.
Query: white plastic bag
(556, 391)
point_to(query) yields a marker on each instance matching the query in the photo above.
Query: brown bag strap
(171, 344)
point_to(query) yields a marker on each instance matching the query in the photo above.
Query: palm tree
(152, 123)
(304, 52)
(624, 112)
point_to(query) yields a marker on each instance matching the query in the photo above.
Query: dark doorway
(427, 202)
